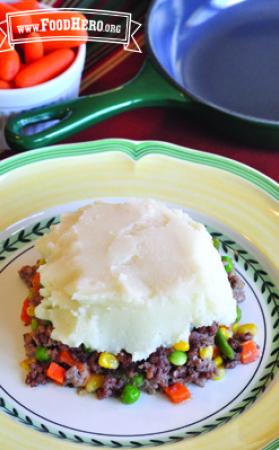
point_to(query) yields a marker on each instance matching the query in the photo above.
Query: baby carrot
(5, 84)
(9, 65)
(27, 5)
(45, 68)
(4, 8)
(76, 34)
(16, 21)
(55, 45)
(33, 50)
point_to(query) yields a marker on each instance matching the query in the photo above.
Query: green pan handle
(148, 88)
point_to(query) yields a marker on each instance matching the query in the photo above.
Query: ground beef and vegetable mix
(208, 353)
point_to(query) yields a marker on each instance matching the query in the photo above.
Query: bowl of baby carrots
(37, 73)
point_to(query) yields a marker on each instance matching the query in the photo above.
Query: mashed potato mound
(132, 276)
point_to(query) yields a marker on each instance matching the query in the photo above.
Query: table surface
(172, 125)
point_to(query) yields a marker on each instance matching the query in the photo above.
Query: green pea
(238, 314)
(223, 345)
(228, 263)
(130, 394)
(41, 354)
(216, 243)
(34, 324)
(138, 380)
(178, 358)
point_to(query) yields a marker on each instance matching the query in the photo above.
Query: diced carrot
(177, 392)
(45, 68)
(5, 84)
(66, 357)
(27, 5)
(9, 65)
(26, 319)
(249, 352)
(56, 373)
(36, 282)
(216, 351)
(16, 21)
(33, 50)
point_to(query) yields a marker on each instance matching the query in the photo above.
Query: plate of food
(140, 301)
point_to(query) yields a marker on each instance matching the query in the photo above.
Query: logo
(67, 24)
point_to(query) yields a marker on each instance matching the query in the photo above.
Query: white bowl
(63, 87)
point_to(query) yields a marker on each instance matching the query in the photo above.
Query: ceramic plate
(237, 204)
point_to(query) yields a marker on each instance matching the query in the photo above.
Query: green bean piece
(34, 324)
(228, 263)
(224, 346)
(238, 314)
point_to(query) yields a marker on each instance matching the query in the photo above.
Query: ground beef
(112, 386)
(245, 337)
(75, 377)
(235, 342)
(93, 363)
(42, 335)
(197, 369)
(80, 353)
(237, 286)
(29, 345)
(36, 299)
(27, 273)
(37, 374)
(157, 371)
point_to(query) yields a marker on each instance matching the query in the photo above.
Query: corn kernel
(108, 361)
(30, 311)
(182, 346)
(25, 364)
(206, 352)
(41, 261)
(235, 327)
(226, 332)
(220, 375)
(247, 328)
(218, 361)
(94, 382)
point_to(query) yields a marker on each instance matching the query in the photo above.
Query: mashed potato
(131, 276)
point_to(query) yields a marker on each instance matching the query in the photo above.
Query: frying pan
(219, 59)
